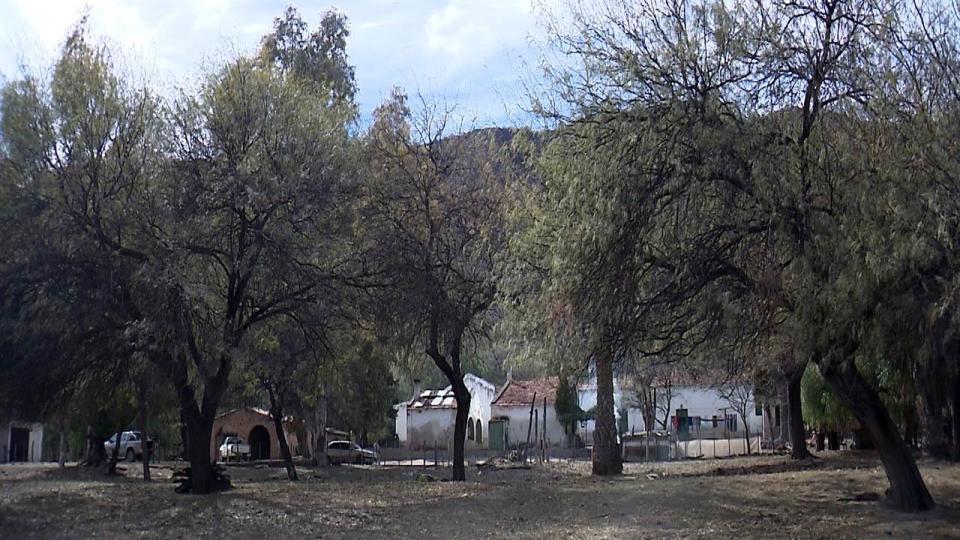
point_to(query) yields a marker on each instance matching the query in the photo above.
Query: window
(479, 432)
(470, 428)
(731, 422)
(759, 410)
(715, 420)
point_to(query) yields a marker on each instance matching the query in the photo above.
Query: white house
(21, 441)
(708, 411)
(429, 417)
(511, 414)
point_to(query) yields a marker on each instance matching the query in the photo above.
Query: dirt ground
(758, 497)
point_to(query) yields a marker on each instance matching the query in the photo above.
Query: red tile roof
(520, 393)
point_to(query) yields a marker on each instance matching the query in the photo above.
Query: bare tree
(740, 396)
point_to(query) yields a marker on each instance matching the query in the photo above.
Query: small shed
(21, 441)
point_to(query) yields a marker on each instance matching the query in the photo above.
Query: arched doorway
(259, 443)
(479, 432)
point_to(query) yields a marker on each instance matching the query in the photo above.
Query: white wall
(401, 427)
(481, 395)
(699, 401)
(35, 453)
(520, 419)
(426, 426)
(587, 396)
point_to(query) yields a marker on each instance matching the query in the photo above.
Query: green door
(683, 430)
(496, 435)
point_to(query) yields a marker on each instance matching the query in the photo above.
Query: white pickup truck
(234, 447)
(131, 445)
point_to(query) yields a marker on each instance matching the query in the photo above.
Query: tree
(319, 58)
(280, 355)
(569, 413)
(739, 395)
(653, 393)
(366, 389)
(432, 222)
(211, 220)
(728, 151)
(68, 142)
(259, 165)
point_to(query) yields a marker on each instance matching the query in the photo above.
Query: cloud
(467, 33)
(460, 49)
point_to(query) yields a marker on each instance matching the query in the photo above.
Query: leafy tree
(431, 222)
(319, 58)
(569, 413)
(718, 157)
(366, 390)
(210, 219)
(820, 407)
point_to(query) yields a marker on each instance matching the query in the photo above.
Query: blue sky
(474, 53)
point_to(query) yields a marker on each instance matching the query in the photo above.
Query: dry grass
(744, 497)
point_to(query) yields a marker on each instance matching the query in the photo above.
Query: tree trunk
(606, 451)
(798, 440)
(199, 429)
(276, 412)
(768, 426)
(62, 454)
(833, 440)
(463, 398)
(933, 422)
(184, 438)
(452, 370)
(285, 448)
(746, 432)
(115, 455)
(96, 453)
(910, 423)
(647, 396)
(955, 421)
(197, 416)
(144, 446)
(907, 492)
(320, 458)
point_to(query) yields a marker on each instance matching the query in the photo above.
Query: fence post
(699, 440)
(646, 446)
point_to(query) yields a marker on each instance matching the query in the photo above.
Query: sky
(473, 53)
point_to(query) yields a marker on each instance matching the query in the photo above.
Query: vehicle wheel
(130, 455)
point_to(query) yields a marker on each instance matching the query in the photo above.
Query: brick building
(256, 427)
